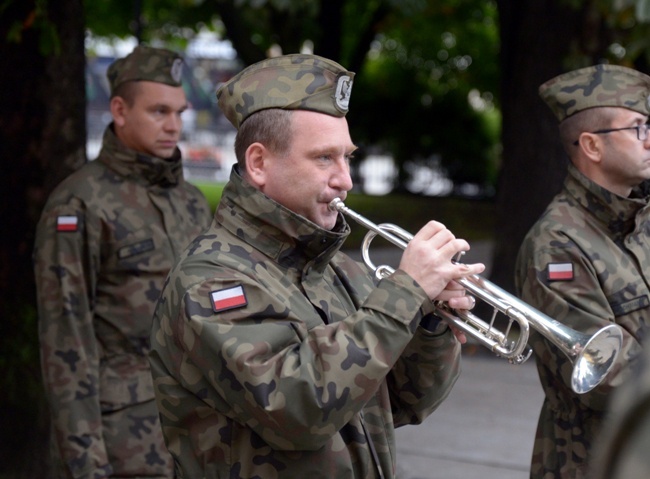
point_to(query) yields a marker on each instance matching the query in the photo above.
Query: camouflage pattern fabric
(585, 263)
(290, 82)
(621, 451)
(144, 63)
(307, 369)
(106, 240)
(597, 86)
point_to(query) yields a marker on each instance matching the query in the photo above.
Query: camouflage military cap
(595, 86)
(146, 64)
(290, 82)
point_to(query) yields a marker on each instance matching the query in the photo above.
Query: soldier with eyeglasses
(586, 261)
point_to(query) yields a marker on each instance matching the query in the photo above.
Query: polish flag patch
(229, 298)
(560, 271)
(67, 223)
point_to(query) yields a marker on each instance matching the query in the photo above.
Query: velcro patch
(140, 247)
(229, 298)
(67, 223)
(559, 271)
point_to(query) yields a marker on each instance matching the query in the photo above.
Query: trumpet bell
(596, 358)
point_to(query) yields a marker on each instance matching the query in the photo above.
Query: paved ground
(485, 429)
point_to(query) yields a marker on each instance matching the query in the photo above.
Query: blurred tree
(436, 75)
(42, 128)
(418, 59)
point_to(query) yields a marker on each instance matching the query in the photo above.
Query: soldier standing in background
(106, 240)
(586, 261)
(275, 355)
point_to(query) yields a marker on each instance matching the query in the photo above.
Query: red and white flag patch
(67, 223)
(560, 271)
(229, 298)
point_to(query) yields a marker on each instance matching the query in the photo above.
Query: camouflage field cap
(595, 86)
(290, 82)
(146, 63)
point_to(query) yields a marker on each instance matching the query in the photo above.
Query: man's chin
(328, 223)
(165, 154)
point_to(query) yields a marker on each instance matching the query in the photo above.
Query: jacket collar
(617, 213)
(286, 237)
(138, 167)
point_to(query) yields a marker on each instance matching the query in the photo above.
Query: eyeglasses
(641, 131)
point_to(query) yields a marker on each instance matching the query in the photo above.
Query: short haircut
(128, 91)
(271, 127)
(592, 119)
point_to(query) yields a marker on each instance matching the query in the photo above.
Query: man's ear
(118, 110)
(256, 162)
(592, 147)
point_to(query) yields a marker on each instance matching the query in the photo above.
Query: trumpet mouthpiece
(336, 204)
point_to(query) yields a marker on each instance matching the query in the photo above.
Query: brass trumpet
(592, 356)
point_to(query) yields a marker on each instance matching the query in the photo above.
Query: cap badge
(343, 92)
(176, 70)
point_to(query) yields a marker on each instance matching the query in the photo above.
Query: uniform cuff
(433, 324)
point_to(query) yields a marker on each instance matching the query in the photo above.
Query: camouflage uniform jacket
(275, 356)
(106, 240)
(585, 263)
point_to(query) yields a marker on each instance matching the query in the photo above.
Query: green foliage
(456, 42)
(413, 95)
(173, 22)
(36, 19)
(428, 85)
(630, 20)
(212, 192)
(618, 32)
(469, 219)
(424, 60)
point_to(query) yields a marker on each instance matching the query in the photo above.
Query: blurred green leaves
(427, 85)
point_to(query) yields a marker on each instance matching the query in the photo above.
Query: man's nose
(173, 122)
(342, 180)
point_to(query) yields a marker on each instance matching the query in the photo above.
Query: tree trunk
(536, 39)
(43, 138)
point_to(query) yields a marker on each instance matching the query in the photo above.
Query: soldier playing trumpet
(276, 355)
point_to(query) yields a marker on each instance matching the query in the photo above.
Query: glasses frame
(638, 128)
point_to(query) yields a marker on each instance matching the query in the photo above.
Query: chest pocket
(633, 297)
(629, 306)
(327, 295)
(133, 249)
(632, 312)
(142, 250)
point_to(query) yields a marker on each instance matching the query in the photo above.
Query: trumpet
(592, 356)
